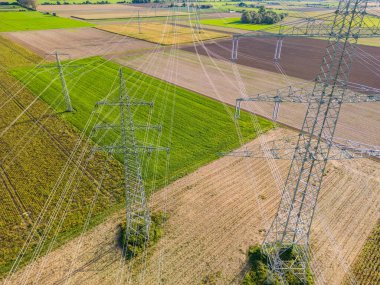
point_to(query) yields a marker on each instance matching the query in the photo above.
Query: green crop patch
(31, 20)
(195, 128)
(364, 268)
(234, 23)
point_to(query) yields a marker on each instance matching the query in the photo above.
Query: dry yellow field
(162, 33)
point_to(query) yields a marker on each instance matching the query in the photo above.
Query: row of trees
(262, 16)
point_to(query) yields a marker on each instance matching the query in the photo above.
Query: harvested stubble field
(299, 58)
(216, 213)
(226, 81)
(78, 43)
(31, 20)
(162, 33)
(113, 11)
(194, 127)
(35, 147)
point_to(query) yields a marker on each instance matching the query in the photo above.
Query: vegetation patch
(262, 16)
(259, 272)
(162, 33)
(34, 152)
(32, 20)
(366, 266)
(133, 247)
(235, 23)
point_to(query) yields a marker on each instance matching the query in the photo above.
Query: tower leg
(276, 110)
(237, 109)
(234, 51)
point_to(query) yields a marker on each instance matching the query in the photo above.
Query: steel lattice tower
(138, 220)
(291, 226)
(137, 212)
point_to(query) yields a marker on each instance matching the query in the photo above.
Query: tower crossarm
(125, 103)
(137, 149)
(136, 127)
(303, 93)
(284, 149)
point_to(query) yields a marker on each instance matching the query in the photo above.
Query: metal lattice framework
(285, 149)
(303, 93)
(315, 144)
(60, 67)
(138, 219)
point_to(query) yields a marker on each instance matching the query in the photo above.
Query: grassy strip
(199, 129)
(234, 23)
(31, 20)
(366, 266)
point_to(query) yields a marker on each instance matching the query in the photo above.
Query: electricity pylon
(138, 219)
(290, 228)
(65, 91)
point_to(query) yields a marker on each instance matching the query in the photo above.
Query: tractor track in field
(61, 147)
(9, 187)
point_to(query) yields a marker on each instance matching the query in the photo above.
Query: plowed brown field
(299, 58)
(78, 43)
(215, 214)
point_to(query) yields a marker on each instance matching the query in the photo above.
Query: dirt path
(216, 213)
(217, 79)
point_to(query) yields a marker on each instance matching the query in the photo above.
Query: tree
(262, 10)
(140, 1)
(246, 17)
(262, 16)
(30, 4)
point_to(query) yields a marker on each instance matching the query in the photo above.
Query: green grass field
(31, 20)
(234, 23)
(199, 128)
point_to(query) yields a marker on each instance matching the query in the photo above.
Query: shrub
(136, 244)
(259, 272)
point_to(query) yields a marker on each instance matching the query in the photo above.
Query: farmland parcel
(30, 20)
(161, 33)
(36, 145)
